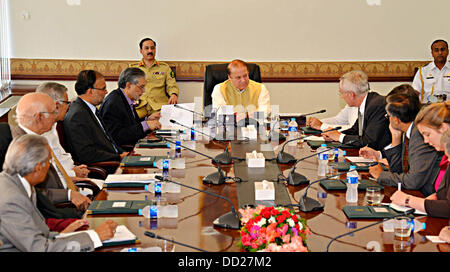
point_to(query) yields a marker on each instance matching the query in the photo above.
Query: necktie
(360, 123)
(97, 113)
(405, 154)
(69, 181)
(33, 196)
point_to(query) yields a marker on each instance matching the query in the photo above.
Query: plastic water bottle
(156, 210)
(293, 131)
(177, 149)
(342, 155)
(336, 154)
(165, 167)
(192, 134)
(323, 161)
(162, 187)
(351, 196)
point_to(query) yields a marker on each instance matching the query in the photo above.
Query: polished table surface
(197, 210)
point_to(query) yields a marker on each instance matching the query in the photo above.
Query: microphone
(286, 158)
(281, 137)
(307, 204)
(229, 220)
(408, 212)
(224, 158)
(214, 178)
(295, 178)
(311, 113)
(153, 235)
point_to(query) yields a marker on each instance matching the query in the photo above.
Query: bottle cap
(292, 119)
(424, 226)
(323, 145)
(345, 152)
(352, 167)
(146, 187)
(140, 212)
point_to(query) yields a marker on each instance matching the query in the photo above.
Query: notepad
(122, 236)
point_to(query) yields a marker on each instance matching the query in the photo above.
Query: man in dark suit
(411, 161)
(118, 112)
(371, 128)
(86, 135)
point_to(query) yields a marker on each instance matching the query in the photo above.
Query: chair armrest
(88, 185)
(97, 172)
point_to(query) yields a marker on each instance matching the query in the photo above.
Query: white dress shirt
(61, 176)
(435, 81)
(362, 108)
(63, 157)
(263, 100)
(345, 118)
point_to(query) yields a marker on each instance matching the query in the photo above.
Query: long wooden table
(197, 210)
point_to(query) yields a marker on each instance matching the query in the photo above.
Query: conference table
(197, 210)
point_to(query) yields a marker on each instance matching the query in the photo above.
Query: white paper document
(132, 178)
(358, 159)
(435, 239)
(314, 138)
(122, 234)
(404, 209)
(180, 115)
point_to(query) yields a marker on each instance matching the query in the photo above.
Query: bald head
(36, 112)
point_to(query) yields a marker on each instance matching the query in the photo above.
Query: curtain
(5, 72)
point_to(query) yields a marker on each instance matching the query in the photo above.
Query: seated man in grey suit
(58, 93)
(36, 113)
(23, 227)
(411, 161)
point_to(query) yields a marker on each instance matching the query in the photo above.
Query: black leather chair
(217, 73)
(5, 140)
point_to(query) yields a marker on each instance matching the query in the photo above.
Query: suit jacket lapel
(131, 115)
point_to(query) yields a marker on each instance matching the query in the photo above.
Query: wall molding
(67, 69)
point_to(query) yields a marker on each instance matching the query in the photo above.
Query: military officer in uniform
(433, 80)
(161, 87)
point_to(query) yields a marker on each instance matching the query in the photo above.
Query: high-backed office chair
(5, 140)
(97, 170)
(217, 73)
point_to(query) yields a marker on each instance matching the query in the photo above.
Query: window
(5, 71)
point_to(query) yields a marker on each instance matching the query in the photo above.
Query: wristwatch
(407, 202)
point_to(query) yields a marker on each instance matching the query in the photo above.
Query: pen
(399, 185)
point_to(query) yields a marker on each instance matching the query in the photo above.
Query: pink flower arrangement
(272, 229)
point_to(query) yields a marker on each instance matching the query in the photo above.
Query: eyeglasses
(65, 102)
(102, 89)
(387, 116)
(48, 113)
(142, 87)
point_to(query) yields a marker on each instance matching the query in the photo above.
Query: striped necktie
(360, 123)
(405, 154)
(97, 113)
(69, 181)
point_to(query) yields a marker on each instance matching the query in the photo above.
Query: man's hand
(396, 135)
(106, 230)
(313, 122)
(123, 155)
(155, 116)
(154, 124)
(81, 171)
(369, 153)
(399, 198)
(80, 201)
(376, 170)
(331, 135)
(444, 234)
(75, 225)
(173, 99)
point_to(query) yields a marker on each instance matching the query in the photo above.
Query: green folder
(126, 185)
(117, 206)
(310, 130)
(360, 166)
(316, 144)
(141, 160)
(370, 212)
(119, 243)
(154, 144)
(339, 184)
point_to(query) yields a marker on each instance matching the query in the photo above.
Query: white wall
(218, 30)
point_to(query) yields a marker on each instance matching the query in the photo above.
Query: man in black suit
(118, 112)
(86, 136)
(371, 128)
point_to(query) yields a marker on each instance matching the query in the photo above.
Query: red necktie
(405, 155)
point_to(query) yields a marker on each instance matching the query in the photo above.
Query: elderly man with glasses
(118, 110)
